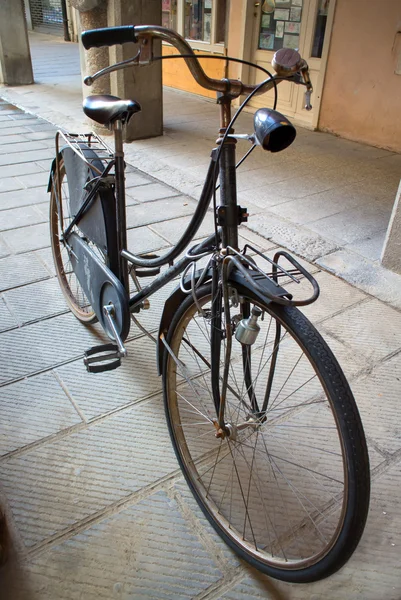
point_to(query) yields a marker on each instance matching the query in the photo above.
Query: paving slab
(134, 178)
(19, 217)
(34, 409)
(20, 169)
(25, 239)
(45, 257)
(370, 247)
(369, 276)
(24, 146)
(370, 329)
(8, 184)
(4, 249)
(43, 345)
(54, 486)
(48, 301)
(151, 192)
(35, 180)
(304, 242)
(28, 156)
(20, 270)
(99, 394)
(142, 240)
(378, 398)
(173, 229)
(345, 227)
(7, 319)
(160, 210)
(145, 552)
(21, 198)
(335, 296)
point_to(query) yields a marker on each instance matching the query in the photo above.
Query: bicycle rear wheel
(287, 490)
(60, 217)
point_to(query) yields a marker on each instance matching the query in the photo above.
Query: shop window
(320, 28)
(169, 14)
(280, 24)
(201, 22)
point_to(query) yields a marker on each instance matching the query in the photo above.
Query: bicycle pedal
(96, 360)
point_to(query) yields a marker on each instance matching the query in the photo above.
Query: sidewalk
(97, 506)
(325, 198)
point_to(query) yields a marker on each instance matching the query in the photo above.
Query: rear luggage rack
(80, 141)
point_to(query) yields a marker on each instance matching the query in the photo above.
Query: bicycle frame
(223, 244)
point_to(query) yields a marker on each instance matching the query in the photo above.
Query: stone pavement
(96, 505)
(325, 198)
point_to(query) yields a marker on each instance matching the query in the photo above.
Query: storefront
(204, 24)
(252, 31)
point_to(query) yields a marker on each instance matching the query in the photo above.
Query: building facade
(353, 48)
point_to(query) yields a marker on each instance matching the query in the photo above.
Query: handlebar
(108, 36)
(144, 34)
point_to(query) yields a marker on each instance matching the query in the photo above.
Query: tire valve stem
(248, 329)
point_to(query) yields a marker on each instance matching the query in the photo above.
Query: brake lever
(308, 105)
(90, 79)
(309, 88)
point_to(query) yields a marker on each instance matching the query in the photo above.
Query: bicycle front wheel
(288, 488)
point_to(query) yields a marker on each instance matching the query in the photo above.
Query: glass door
(300, 24)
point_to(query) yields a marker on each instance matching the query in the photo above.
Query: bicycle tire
(314, 512)
(69, 284)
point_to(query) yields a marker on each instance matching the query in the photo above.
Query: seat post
(120, 199)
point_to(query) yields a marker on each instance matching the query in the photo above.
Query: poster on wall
(295, 14)
(292, 27)
(291, 41)
(281, 14)
(280, 24)
(279, 29)
(266, 41)
(265, 21)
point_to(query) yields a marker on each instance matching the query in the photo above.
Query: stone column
(93, 15)
(15, 56)
(391, 255)
(143, 84)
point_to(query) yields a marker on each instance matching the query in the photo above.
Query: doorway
(304, 25)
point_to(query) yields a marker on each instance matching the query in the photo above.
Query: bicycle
(263, 422)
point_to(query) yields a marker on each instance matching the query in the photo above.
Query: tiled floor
(96, 505)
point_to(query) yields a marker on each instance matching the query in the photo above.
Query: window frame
(212, 46)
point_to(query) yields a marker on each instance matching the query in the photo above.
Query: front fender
(178, 296)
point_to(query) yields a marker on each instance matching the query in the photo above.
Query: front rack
(275, 273)
(78, 142)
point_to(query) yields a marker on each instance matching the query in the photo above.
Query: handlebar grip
(108, 36)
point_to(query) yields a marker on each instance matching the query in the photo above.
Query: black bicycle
(262, 419)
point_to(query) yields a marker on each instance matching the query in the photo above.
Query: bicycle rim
(282, 491)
